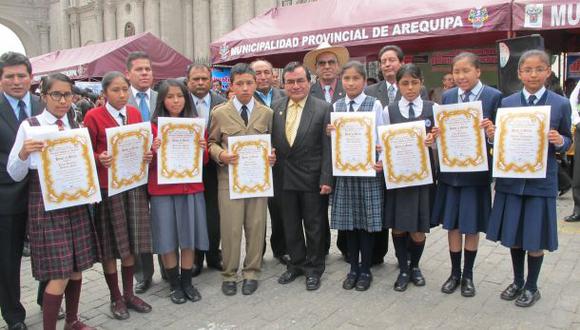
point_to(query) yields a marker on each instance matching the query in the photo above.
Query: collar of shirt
(239, 105)
(135, 91)
(358, 100)
(300, 103)
(389, 85)
(538, 94)
(14, 103)
(51, 119)
(206, 99)
(417, 106)
(115, 113)
(332, 85)
(475, 91)
(266, 97)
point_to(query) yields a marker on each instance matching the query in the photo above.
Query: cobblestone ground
(275, 306)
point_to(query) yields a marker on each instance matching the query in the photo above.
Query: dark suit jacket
(307, 164)
(316, 90)
(13, 195)
(559, 120)
(379, 90)
(277, 94)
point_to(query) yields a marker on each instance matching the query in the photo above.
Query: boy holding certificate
(523, 216)
(62, 241)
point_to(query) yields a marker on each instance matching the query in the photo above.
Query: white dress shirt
(115, 113)
(377, 109)
(147, 99)
(249, 106)
(202, 105)
(475, 92)
(538, 95)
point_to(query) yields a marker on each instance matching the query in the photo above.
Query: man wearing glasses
(327, 62)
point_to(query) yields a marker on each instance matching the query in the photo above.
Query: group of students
(66, 242)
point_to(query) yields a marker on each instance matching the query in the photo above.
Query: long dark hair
(161, 111)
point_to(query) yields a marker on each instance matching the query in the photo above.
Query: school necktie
(351, 106)
(21, 111)
(411, 111)
(292, 123)
(143, 107)
(122, 116)
(327, 95)
(465, 96)
(391, 92)
(60, 124)
(532, 100)
(244, 114)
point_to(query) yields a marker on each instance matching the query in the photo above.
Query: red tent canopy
(286, 33)
(93, 61)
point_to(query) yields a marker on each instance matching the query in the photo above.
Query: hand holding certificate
(521, 142)
(127, 146)
(251, 175)
(180, 157)
(405, 157)
(353, 145)
(461, 144)
(67, 171)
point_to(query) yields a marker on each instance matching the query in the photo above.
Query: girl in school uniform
(62, 242)
(523, 216)
(463, 200)
(177, 210)
(122, 220)
(357, 201)
(407, 210)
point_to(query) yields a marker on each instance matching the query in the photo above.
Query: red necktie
(60, 125)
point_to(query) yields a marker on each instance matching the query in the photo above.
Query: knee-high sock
(113, 284)
(468, 263)
(416, 252)
(455, 263)
(518, 260)
(173, 277)
(72, 295)
(534, 267)
(400, 242)
(367, 241)
(186, 275)
(50, 308)
(353, 246)
(127, 274)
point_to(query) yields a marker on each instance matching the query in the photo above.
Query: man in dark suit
(204, 101)
(302, 174)
(16, 104)
(267, 94)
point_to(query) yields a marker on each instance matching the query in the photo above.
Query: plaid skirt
(357, 203)
(61, 241)
(124, 224)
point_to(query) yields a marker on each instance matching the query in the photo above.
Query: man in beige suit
(242, 115)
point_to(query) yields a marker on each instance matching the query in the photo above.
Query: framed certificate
(353, 144)
(461, 144)
(127, 144)
(252, 175)
(521, 142)
(180, 157)
(405, 157)
(67, 171)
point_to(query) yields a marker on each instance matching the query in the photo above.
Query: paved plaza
(275, 306)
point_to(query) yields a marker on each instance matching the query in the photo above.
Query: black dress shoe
(364, 282)
(511, 292)
(142, 286)
(229, 288)
(191, 293)
(417, 277)
(467, 287)
(350, 281)
(283, 259)
(312, 282)
(402, 282)
(18, 326)
(528, 298)
(451, 284)
(119, 309)
(288, 277)
(572, 218)
(249, 287)
(177, 296)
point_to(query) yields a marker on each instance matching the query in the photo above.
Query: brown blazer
(226, 121)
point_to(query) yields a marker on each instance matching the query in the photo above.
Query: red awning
(93, 61)
(286, 33)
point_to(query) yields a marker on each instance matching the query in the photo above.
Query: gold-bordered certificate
(252, 175)
(67, 171)
(461, 144)
(353, 143)
(127, 144)
(180, 157)
(405, 156)
(521, 142)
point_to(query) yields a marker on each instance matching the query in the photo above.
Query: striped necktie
(292, 122)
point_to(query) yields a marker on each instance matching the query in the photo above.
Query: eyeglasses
(532, 70)
(329, 62)
(294, 82)
(57, 96)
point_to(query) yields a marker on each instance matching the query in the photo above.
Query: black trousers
(210, 182)
(277, 239)
(304, 215)
(12, 232)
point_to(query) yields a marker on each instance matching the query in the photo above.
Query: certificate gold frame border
(193, 128)
(354, 167)
(115, 139)
(454, 161)
(51, 194)
(414, 132)
(506, 166)
(240, 188)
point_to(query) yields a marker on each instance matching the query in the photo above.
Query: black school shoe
(511, 292)
(402, 282)
(229, 288)
(451, 284)
(350, 281)
(467, 287)
(528, 298)
(177, 296)
(417, 277)
(191, 293)
(364, 282)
